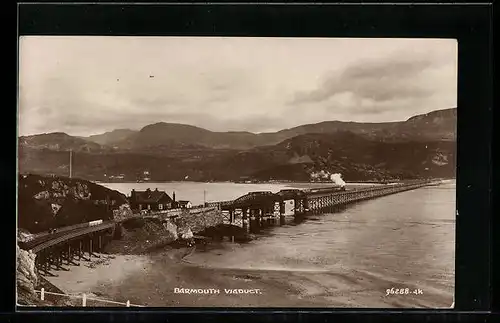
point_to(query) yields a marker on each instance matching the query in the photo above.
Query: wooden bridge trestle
(318, 202)
(265, 209)
(71, 252)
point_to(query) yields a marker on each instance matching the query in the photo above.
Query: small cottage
(184, 204)
(150, 200)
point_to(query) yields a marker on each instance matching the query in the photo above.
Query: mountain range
(422, 146)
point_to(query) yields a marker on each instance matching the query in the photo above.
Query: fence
(84, 298)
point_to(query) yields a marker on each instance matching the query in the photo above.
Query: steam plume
(337, 179)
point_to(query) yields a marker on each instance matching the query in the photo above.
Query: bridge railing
(84, 298)
(61, 229)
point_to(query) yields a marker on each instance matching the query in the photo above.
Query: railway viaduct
(83, 241)
(256, 208)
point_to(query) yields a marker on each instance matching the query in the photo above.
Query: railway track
(49, 240)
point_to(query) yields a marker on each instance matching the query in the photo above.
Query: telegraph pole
(70, 163)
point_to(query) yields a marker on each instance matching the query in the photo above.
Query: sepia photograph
(236, 172)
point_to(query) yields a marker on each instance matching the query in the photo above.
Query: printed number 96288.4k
(403, 291)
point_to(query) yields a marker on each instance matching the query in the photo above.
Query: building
(151, 200)
(184, 204)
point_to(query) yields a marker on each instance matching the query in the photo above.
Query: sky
(84, 85)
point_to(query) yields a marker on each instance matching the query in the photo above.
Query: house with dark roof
(151, 200)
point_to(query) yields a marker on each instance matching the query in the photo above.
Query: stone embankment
(139, 235)
(199, 219)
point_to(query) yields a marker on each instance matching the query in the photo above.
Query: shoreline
(112, 268)
(152, 280)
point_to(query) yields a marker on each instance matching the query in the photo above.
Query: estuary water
(348, 258)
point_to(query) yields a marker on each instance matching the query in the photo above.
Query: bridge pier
(92, 248)
(80, 250)
(231, 216)
(42, 263)
(60, 257)
(47, 264)
(71, 256)
(254, 220)
(245, 222)
(57, 259)
(282, 220)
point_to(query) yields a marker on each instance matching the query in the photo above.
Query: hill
(422, 146)
(179, 135)
(436, 125)
(58, 141)
(112, 137)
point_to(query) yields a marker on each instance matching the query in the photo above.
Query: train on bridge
(325, 189)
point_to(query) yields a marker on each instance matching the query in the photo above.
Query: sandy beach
(105, 270)
(151, 280)
(167, 279)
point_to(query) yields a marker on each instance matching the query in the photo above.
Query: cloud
(88, 85)
(398, 66)
(382, 80)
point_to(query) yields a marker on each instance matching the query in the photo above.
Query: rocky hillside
(27, 278)
(352, 155)
(49, 202)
